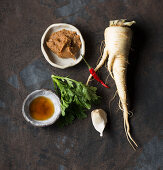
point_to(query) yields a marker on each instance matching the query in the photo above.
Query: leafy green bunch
(75, 96)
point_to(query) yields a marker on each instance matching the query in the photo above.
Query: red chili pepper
(96, 77)
(93, 73)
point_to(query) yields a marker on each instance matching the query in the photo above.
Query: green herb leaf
(76, 97)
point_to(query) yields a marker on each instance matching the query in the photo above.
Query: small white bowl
(51, 57)
(46, 93)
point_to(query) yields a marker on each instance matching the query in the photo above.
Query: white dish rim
(46, 55)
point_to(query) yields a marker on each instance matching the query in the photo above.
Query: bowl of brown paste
(62, 45)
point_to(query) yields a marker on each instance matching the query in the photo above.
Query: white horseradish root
(99, 120)
(118, 38)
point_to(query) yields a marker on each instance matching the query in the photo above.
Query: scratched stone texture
(24, 69)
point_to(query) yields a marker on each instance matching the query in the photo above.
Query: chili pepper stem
(86, 62)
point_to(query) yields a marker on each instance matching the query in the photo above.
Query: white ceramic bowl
(52, 58)
(46, 93)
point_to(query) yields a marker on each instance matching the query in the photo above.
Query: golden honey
(41, 108)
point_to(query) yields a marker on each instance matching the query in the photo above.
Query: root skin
(118, 38)
(118, 41)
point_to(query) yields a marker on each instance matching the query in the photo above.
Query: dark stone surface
(78, 146)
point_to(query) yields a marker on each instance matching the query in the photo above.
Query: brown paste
(64, 43)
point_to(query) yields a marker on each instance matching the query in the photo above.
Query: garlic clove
(99, 120)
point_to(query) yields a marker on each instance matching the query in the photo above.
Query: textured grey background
(24, 69)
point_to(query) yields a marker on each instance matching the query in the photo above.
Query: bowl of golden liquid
(41, 108)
